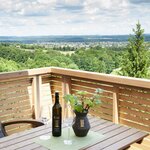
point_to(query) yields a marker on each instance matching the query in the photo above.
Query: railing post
(66, 85)
(37, 82)
(66, 89)
(115, 106)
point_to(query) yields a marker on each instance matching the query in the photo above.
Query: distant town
(85, 45)
(73, 42)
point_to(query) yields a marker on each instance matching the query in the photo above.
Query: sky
(72, 17)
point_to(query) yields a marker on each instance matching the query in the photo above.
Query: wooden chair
(3, 132)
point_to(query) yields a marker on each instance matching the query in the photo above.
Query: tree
(8, 65)
(135, 60)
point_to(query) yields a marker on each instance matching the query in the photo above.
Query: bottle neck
(56, 97)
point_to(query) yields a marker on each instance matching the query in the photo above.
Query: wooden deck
(115, 137)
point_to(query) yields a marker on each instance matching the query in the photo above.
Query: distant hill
(73, 38)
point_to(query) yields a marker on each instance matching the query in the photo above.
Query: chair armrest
(34, 124)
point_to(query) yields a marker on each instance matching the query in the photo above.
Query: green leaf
(72, 99)
(89, 103)
(82, 93)
(97, 102)
(78, 108)
(98, 90)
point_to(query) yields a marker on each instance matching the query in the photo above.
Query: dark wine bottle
(56, 116)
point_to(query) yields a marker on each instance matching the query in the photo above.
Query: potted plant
(81, 102)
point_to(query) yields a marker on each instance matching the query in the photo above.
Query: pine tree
(135, 60)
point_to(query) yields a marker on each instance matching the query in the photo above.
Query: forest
(131, 60)
(18, 57)
(97, 59)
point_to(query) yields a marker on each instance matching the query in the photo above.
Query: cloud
(26, 7)
(38, 7)
(71, 9)
(33, 17)
(140, 1)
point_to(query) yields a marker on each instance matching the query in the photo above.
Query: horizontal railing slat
(92, 85)
(144, 108)
(135, 118)
(135, 112)
(134, 125)
(134, 93)
(140, 101)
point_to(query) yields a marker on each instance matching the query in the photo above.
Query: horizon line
(70, 35)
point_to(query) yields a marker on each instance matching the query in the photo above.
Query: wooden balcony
(23, 94)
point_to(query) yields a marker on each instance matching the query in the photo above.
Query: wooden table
(115, 137)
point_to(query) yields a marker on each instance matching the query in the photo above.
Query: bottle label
(56, 123)
(81, 123)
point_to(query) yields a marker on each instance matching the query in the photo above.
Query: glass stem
(68, 133)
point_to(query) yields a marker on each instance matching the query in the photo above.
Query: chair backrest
(1, 131)
(16, 102)
(21, 97)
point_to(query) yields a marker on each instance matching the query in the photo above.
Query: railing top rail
(114, 79)
(24, 73)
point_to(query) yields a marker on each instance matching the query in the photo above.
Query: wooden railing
(125, 100)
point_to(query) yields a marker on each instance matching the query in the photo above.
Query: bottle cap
(56, 93)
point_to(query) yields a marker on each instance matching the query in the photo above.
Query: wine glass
(45, 116)
(68, 120)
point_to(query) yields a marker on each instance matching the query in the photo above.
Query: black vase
(81, 124)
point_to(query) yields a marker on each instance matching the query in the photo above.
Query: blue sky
(72, 17)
